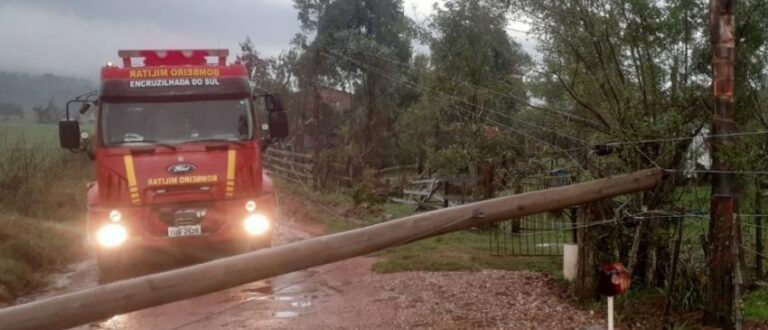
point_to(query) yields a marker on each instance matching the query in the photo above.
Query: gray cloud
(77, 37)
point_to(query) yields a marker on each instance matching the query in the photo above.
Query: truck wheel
(111, 267)
(261, 243)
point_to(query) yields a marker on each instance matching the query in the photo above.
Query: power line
(683, 138)
(559, 112)
(716, 171)
(389, 75)
(759, 254)
(508, 116)
(516, 30)
(413, 85)
(511, 96)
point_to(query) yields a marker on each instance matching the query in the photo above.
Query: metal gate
(535, 235)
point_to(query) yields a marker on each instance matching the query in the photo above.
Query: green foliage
(464, 87)
(756, 305)
(472, 47)
(363, 193)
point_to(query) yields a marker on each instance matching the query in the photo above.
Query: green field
(30, 136)
(34, 134)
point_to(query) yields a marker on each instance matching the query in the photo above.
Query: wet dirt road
(347, 295)
(281, 302)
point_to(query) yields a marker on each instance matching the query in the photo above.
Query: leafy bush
(364, 192)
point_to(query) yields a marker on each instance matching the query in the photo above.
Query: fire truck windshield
(176, 122)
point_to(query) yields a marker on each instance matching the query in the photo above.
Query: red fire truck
(178, 157)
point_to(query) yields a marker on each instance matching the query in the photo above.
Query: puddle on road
(283, 298)
(301, 303)
(285, 314)
(267, 289)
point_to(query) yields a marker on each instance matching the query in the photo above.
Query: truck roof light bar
(160, 57)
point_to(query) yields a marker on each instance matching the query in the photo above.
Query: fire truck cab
(178, 148)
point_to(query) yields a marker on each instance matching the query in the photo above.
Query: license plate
(180, 231)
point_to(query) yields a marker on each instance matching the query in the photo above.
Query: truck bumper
(145, 232)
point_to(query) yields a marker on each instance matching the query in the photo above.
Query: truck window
(176, 122)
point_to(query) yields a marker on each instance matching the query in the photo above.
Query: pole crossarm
(152, 290)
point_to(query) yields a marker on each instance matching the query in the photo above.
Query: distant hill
(36, 90)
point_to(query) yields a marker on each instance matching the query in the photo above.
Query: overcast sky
(76, 37)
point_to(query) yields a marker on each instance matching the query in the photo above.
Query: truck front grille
(176, 215)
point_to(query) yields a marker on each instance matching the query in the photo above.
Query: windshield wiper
(155, 142)
(238, 143)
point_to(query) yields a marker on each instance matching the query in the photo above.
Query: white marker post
(610, 313)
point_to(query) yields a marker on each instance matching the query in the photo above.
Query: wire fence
(545, 234)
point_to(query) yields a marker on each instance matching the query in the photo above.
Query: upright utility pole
(723, 292)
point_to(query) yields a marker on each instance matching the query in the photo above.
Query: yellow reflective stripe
(130, 173)
(231, 159)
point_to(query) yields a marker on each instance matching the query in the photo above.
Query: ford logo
(181, 168)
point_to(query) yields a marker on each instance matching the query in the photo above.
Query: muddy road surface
(280, 302)
(347, 295)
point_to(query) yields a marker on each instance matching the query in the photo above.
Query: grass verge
(42, 205)
(464, 250)
(29, 247)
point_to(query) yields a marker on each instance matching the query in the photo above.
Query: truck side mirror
(84, 108)
(273, 102)
(69, 134)
(278, 124)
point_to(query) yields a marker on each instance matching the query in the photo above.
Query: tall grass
(37, 180)
(42, 208)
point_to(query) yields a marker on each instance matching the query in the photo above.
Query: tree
(640, 70)
(633, 69)
(258, 68)
(9, 110)
(50, 113)
(469, 89)
(355, 45)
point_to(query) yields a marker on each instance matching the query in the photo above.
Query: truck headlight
(250, 206)
(115, 216)
(111, 235)
(256, 224)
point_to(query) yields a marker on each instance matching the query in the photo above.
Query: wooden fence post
(446, 191)
(488, 172)
(759, 232)
(516, 222)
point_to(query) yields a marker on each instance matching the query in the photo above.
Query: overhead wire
(422, 88)
(493, 91)
(683, 138)
(563, 113)
(509, 116)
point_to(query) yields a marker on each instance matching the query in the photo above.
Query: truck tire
(111, 267)
(261, 243)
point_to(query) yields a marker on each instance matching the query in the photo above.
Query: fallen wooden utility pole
(133, 294)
